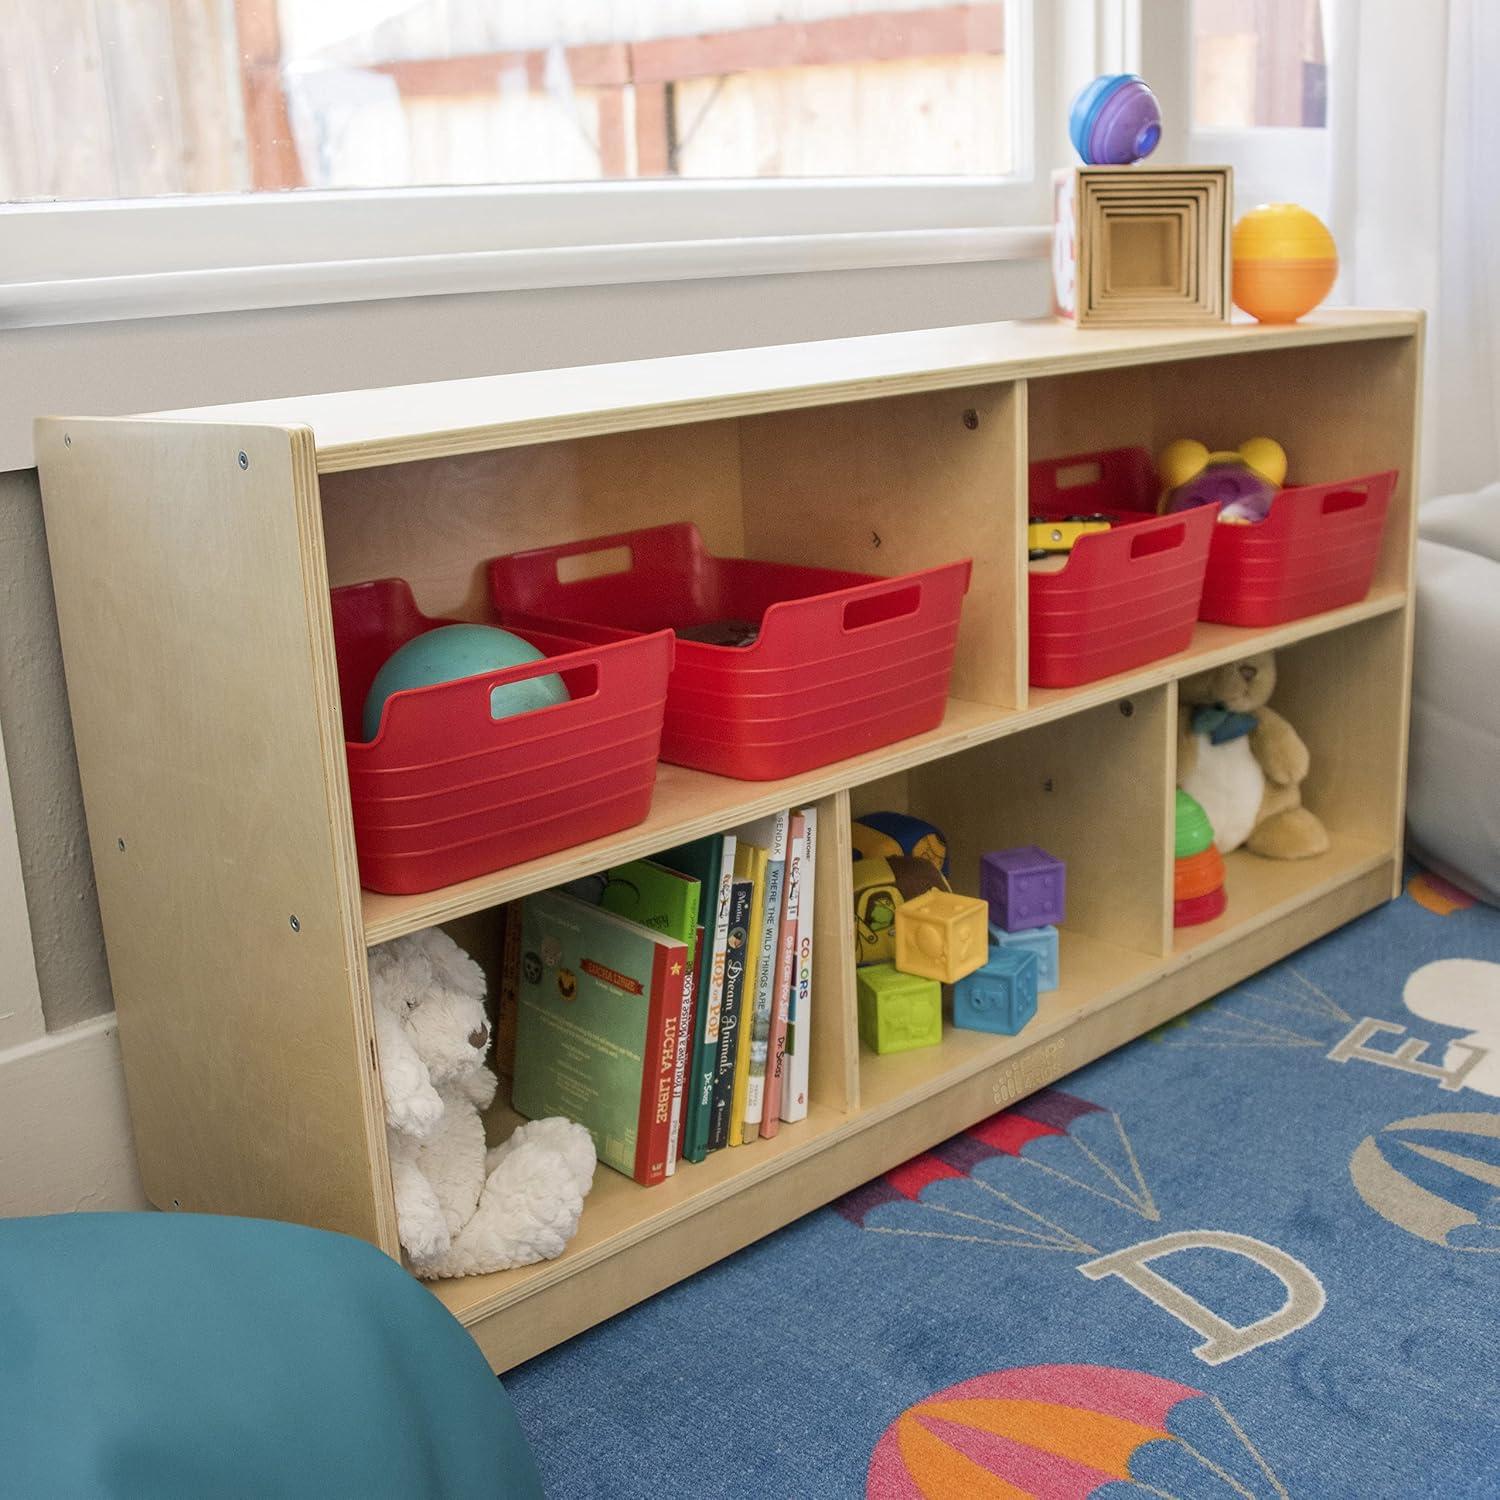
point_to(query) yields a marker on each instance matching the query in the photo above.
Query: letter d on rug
(1222, 1341)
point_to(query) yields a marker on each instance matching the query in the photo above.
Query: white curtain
(1414, 126)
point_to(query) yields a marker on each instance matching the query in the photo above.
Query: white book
(768, 833)
(799, 1028)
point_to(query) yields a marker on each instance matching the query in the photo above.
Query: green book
(705, 860)
(665, 900)
(598, 1016)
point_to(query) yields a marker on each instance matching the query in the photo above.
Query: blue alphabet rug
(1255, 1254)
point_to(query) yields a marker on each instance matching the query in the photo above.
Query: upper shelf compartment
(1341, 410)
(398, 424)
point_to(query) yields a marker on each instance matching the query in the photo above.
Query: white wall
(64, 1131)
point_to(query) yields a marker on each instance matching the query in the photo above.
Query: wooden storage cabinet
(192, 555)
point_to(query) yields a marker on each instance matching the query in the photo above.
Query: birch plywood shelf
(193, 553)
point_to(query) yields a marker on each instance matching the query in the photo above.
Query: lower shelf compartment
(1094, 974)
(619, 1211)
(635, 1241)
(1260, 890)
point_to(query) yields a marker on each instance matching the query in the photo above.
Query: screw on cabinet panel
(67, 440)
(244, 459)
(971, 419)
(121, 843)
(1127, 708)
(296, 925)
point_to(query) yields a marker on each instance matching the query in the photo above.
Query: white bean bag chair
(1453, 786)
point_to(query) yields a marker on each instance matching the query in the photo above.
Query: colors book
(799, 1022)
(750, 863)
(599, 1012)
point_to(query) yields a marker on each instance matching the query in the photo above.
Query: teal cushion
(170, 1355)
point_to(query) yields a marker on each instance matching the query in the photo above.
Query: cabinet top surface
(395, 424)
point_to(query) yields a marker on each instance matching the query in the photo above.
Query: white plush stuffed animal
(460, 1211)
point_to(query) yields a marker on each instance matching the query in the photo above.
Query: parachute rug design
(1068, 1432)
(1276, 1009)
(1103, 1164)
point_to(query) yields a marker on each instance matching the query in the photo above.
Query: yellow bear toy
(1242, 482)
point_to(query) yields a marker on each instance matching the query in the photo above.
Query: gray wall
(61, 907)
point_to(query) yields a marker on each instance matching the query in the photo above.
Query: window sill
(177, 293)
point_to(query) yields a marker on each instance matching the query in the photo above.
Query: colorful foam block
(1001, 996)
(1024, 887)
(1041, 941)
(941, 936)
(898, 1012)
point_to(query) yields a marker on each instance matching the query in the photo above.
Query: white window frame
(94, 262)
(1271, 163)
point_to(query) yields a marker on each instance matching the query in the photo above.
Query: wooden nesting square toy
(941, 936)
(898, 1012)
(1142, 245)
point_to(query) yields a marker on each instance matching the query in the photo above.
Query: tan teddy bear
(1244, 763)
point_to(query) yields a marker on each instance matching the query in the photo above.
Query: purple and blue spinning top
(1115, 120)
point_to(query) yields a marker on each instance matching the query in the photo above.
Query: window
(1256, 73)
(227, 96)
(1258, 63)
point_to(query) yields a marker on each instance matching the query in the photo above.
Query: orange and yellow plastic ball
(1285, 262)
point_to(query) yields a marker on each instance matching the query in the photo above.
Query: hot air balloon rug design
(1067, 1432)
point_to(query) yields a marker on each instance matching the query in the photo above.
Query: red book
(786, 969)
(654, 1133)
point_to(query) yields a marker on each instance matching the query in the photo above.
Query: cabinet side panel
(898, 485)
(191, 598)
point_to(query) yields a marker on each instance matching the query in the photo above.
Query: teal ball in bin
(454, 651)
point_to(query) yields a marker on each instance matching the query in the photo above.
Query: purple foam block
(1024, 887)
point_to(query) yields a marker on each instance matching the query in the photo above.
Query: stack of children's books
(666, 1003)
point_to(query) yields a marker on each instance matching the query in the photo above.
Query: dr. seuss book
(750, 863)
(737, 960)
(600, 1008)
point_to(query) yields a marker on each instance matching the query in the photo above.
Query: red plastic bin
(1316, 550)
(445, 792)
(842, 662)
(1124, 597)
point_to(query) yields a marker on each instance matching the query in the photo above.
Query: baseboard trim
(65, 1140)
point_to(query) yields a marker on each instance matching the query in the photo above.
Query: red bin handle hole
(1073, 476)
(875, 609)
(1344, 500)
(1162, 539)
(577, 567)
